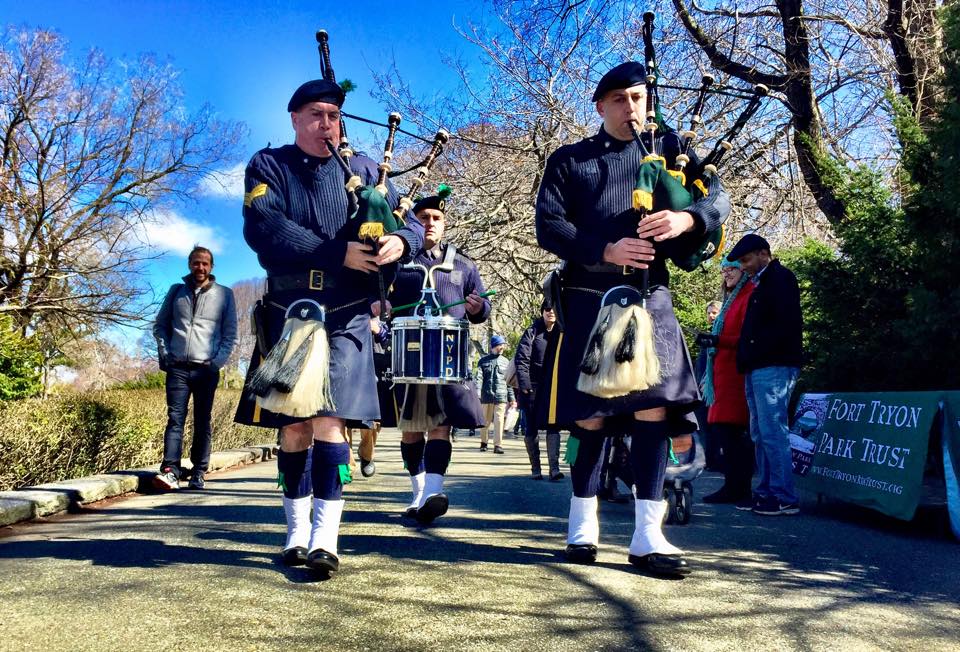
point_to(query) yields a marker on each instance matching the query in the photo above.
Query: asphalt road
(191, 571)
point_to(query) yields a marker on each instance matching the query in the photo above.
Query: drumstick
(463, 301)
(408, 305)
(449, 305)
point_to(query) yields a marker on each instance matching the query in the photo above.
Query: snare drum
(430, 350)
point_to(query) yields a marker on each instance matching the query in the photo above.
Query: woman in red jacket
(723, 390)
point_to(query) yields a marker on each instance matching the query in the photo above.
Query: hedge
(72, 435)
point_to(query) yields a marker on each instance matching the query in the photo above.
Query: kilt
(559, 402)
(353, 380)
(459, 402)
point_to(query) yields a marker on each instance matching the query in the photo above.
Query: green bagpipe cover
(658, 188)
(374, 214)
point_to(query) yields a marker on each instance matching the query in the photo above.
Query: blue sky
(244, 59)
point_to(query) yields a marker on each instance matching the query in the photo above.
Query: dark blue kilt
(353, 381)
(459, 402)
(560, 403)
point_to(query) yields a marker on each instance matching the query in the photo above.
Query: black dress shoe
(296, 556)
(658, 564)
(556, 477)
(581, 553)
(322, 561)
(536, 476)
(367, 467)
(433, 507)
(410, 512)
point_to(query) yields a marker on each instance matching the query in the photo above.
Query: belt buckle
(626, 270)
(316, 279)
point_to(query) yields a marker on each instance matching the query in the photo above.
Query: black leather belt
(609, 268)
(315, 279)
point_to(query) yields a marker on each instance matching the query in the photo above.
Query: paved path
(192, 571)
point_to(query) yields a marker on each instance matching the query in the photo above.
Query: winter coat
(528, 360)
(196, 327)
(493, 379)
(772, 333)
(730, 402)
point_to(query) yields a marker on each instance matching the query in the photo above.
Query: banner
(865, 448)
(951, 458)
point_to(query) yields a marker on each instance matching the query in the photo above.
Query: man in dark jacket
(195, 330)
(528, 360)
(769, 354)
(495, 394)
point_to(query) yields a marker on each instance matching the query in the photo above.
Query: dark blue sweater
(295, 214)
(451, 286)
(586, 201)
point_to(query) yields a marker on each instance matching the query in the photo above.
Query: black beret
(437, 201)
(433, 201)
(626, 75)
(748, 243)
(316, 90)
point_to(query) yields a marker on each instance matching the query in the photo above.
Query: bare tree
(87, 150)
(245, 293)
(829, 63)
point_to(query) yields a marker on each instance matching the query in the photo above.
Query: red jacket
(730, 402)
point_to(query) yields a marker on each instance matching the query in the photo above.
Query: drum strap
(449, 256)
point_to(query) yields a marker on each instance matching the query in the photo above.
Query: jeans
(182, 381)
(768, 395)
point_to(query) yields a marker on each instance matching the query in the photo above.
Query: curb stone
(55, 497)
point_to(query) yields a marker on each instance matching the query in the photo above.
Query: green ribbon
(573, 447)
(281, 481)
(345, 476)
(673, 456)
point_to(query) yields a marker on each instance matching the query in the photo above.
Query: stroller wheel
(684, 501)
(670, 496)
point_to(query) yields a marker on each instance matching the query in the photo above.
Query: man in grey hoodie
(195, 330)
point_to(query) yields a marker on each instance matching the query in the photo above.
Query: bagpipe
(660, 187)
(293, 378)
(621, 357)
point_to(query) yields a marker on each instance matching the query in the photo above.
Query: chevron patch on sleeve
(259, 190)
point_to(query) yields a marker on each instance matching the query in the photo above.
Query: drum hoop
(436, 322)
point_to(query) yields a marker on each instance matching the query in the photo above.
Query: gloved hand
(707, 340)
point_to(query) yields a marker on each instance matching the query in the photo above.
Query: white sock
(647, 534)
(417, 482)
(583, 527)
(326, 524)
(432, 484)
(297, 511)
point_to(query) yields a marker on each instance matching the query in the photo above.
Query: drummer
(429, 411)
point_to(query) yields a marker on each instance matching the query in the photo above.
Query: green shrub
(151, 380)
(72, 434)
(20, 363)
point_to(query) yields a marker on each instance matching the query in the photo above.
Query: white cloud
(224, 184)
(169, 232)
